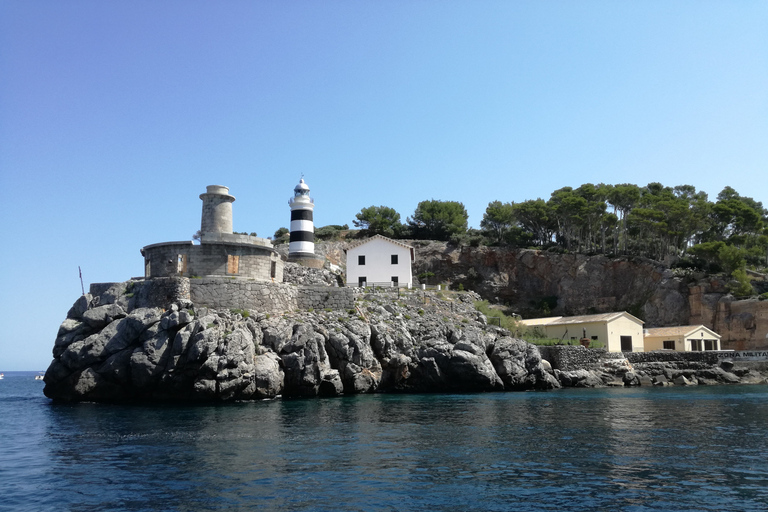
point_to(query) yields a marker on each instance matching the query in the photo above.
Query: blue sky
(114, 116)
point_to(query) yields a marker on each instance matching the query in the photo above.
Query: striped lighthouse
(301, 248)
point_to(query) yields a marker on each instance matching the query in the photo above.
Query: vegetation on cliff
(676, 225)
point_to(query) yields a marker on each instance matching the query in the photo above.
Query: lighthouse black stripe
(301, 215)
(302, 236)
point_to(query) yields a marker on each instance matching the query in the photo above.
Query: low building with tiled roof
(617, 332)
(381, 261)
(682, 338)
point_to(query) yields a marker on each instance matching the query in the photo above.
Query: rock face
(537, 283)
(541, 283)
(297, 274)
(107, 350)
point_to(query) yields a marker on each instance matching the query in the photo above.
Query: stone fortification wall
(228, 293)
(222, 293)
(324, 297)
(235, 238)
(212, 259)
(155, 293)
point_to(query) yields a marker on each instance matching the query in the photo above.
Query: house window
(695, 346)
(361, 260)
(394, 280)
(361, 281)
(233, 264)
(394, 259)
(594, 338)
(708, 345)
(626, 343)
(669, 344)
(273, 270)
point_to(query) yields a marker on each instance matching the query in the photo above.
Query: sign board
(744, 355)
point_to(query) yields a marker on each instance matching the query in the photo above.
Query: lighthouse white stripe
(295, 247)
(302, 225)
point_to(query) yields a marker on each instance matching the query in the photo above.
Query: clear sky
(114, 116)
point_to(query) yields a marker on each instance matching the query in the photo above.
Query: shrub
(743, 286)
(509, 323)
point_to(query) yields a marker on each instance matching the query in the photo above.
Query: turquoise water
(701, 448)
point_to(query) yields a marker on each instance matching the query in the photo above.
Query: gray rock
(100, 316)
(681, 380)
(579, 379)
(268, 378)
(80, 306)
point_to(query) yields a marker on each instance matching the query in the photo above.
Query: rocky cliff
(113, 348)
(536, 283)
(540, 283)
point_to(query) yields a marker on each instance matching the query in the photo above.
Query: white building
(682, 338)
(381, 261)
(617, 332)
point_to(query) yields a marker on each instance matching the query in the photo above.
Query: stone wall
(160, 292)
(707, 357)
(229, 293)
(325, 297)
(575, 357)
(569, 358)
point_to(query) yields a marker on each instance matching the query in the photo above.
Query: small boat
(40, 376)
(2, 376)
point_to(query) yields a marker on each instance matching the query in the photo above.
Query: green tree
(281, 236)
(742, 286)
(330, 232)
(379, 220)
(732, 258)
(623, 198)
(535, 217)
(438, 220)
(570, 211)
(498, 219)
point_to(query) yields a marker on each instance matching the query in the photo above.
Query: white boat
(2, 376)
(40, 376)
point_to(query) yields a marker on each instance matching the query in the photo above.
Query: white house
(380, 260)
(617, 332)
(682, 338)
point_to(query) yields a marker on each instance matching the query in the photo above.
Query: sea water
(697, 449)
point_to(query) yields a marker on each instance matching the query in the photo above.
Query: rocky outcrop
(109, 350)
(537, 283)
(576, 366)
(294, 273)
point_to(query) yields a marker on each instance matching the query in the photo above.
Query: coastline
(121, 345)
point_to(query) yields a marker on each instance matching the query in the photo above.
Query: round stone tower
(301, 248)
(217, 210)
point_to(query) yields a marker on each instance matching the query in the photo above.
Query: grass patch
(499, 318)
